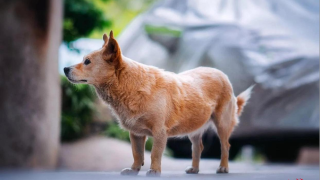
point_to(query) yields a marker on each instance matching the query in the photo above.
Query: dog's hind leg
(224, 135)
(225, 122)
(197, 148)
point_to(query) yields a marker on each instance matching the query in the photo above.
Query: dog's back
(193, 96)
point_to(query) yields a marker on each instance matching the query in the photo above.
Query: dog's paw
(222, 170)
(129, 172)
(192, 170)
(152, 172)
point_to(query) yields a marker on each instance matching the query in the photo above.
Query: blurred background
(48, 123)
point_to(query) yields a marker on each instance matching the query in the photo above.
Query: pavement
(261, 173)
(98, 157)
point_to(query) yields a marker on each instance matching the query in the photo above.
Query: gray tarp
(274, 44)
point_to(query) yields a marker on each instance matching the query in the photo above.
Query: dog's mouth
(77, 81)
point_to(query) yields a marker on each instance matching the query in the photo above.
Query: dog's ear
(111, 34)
(113, 46)
(105, 39)
(112, 51)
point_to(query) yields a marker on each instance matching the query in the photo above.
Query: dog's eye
(87, 61)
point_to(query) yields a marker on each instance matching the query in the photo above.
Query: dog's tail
(242, 99)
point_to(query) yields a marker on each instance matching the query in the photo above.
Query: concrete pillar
(30, 35)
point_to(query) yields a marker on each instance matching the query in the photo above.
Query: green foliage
(77, 109)
(121, 13)
(163, 30)
(81, 17)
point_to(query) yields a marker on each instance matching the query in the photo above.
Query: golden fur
(149, 101)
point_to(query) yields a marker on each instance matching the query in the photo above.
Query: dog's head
(98, 65)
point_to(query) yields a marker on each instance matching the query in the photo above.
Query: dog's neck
(123, 87)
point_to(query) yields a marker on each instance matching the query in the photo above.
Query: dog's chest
(135, 125)
(127, 119)
(129, 122)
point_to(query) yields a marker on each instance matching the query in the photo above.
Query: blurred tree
(29, 90)
(81, 17)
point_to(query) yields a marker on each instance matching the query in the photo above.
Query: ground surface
(103, 158)
(263, 173)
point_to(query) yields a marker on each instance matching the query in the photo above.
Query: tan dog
(149, 101)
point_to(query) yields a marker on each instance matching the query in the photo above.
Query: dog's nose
(66, 70)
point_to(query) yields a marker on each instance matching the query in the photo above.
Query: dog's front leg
(138, 145)
(197, 148)
(159, 144)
